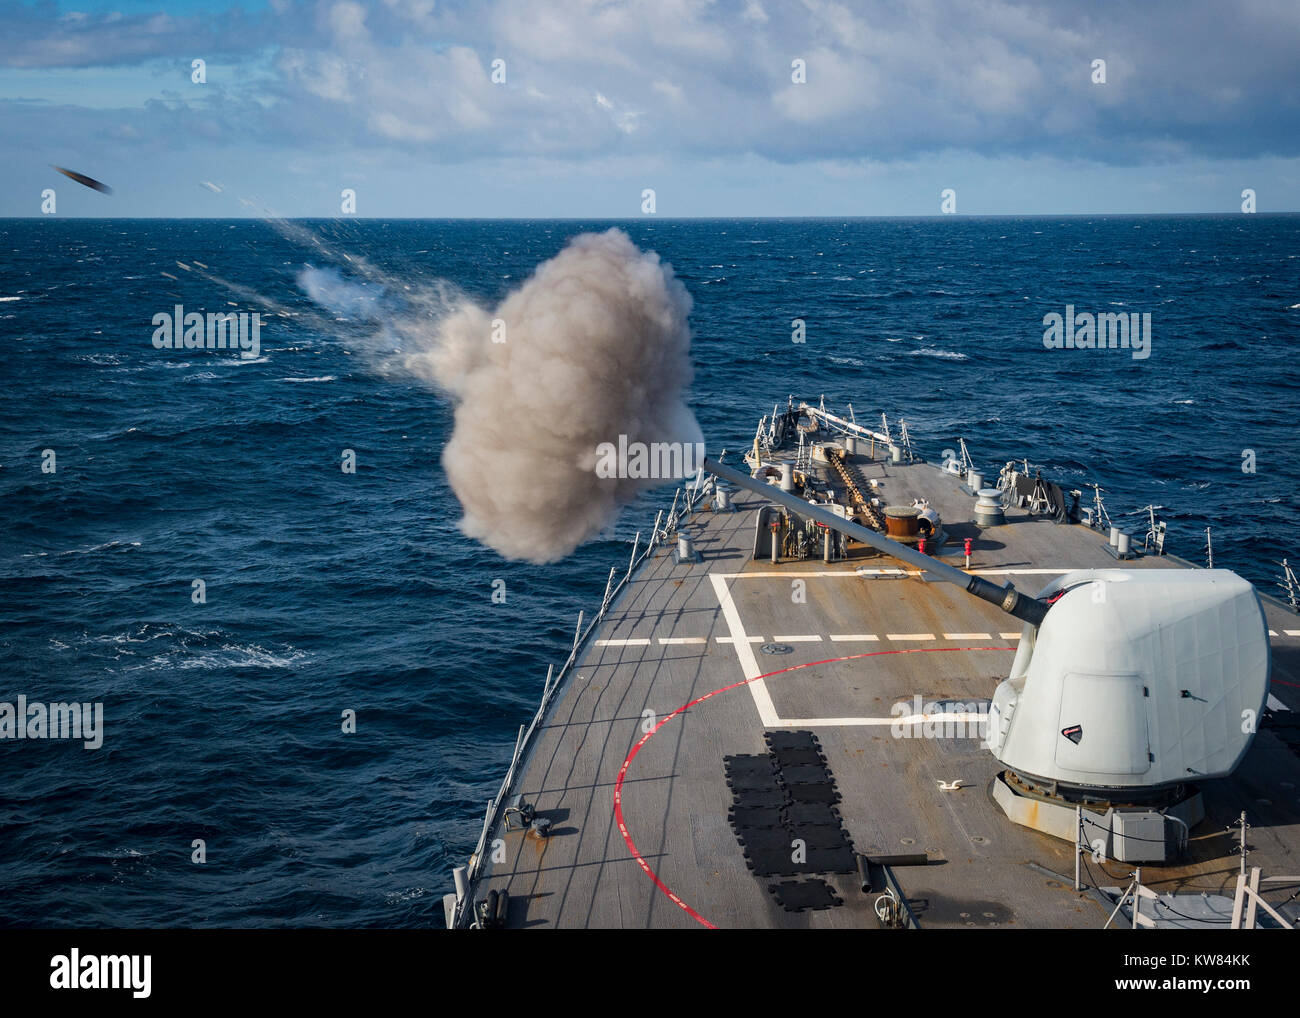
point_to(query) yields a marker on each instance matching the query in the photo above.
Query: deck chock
(541, 828)
(518, 815)
(491, 911)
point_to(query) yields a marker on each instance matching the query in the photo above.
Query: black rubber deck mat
(753, 797)
(811, 813)
(775, 864)
(792, 740)
(805, 774)
(756, 816)
(793, 757)
(831, 860)
(823, 791)
(821, 836)
(799, 895)
(748, 764)
(780, 862)
(754, 782)
(763, 840)
(784, 810)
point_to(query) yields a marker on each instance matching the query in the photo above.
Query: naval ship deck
(629, 763)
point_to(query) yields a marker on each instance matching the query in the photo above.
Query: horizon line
(656, 216)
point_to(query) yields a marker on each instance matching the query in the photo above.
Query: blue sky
(605, 98)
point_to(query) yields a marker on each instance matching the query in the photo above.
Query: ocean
(328, 592)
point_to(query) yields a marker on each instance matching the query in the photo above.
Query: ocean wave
(318, 378)
(106, 546)
(930, 351)
(235, 656)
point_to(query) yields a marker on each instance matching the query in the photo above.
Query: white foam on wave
(107, 546)
(930, 351)
(319, 378)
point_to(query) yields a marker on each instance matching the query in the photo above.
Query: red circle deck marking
(622, 772)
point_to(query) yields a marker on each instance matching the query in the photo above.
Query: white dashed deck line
(1272, 632)
(909, 636)
(1275, 704)
(679, 640)
(1009, 636)
(1292, 632)
(968, 636)
(796, 639)
(623, 643)
(767, 714)
(792, 575)
(852, 638)
(732, 639)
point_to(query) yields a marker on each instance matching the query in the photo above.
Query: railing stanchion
(636, 543)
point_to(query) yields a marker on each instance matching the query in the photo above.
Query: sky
(595, 102)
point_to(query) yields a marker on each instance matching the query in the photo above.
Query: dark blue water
(329, 592)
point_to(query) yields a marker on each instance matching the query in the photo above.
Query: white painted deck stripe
(1275, 704)
(677, 640)
(909, 636)
(1292, 632)
(796, 639)
(968, 636)
(1009, 636)
(745, 652)
(865, 572)
(911, 719)
(842, 638)
(623, 643)
(732, 639)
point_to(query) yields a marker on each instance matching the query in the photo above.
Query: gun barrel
(1027, 609)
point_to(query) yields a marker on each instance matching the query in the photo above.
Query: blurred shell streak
(81, 178)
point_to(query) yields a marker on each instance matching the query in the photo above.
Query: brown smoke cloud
(597, 345)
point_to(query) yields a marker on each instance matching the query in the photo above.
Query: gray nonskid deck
(680, 632)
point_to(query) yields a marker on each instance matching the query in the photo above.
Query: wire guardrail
(685, 501)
